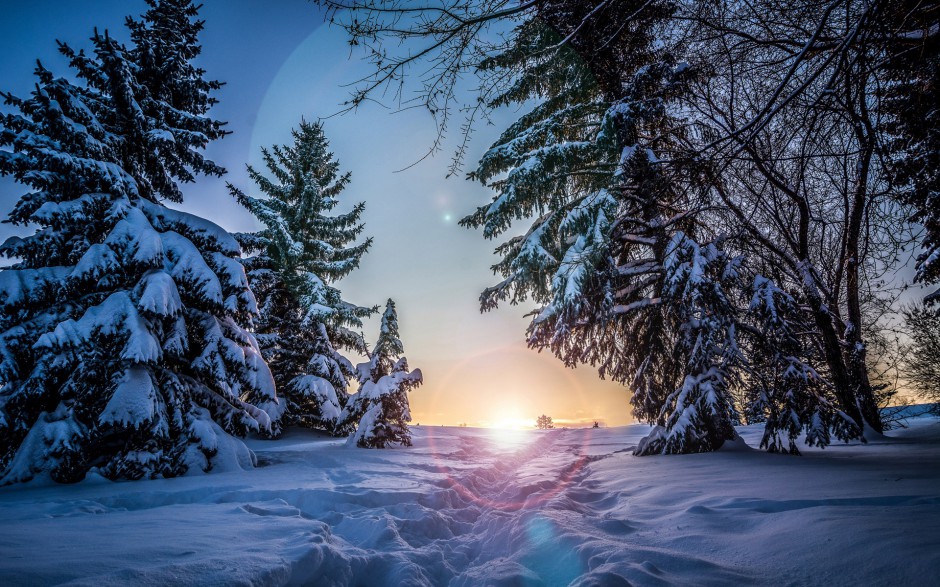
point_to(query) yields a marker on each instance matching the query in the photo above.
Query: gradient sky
(281, 63)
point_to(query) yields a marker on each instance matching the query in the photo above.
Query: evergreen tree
(785, 392)
(381, 405)
(164, 44)
(699, 413)
(122, 345)
(304, 248)
(586, 165)
(912, 119)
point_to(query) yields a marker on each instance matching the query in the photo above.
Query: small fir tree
(544, 422)
(784, 391)
(304, 249)
(122, 345)
(381, 406)
(699, 413)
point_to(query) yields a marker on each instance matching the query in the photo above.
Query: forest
(730, 209)
(717, 200)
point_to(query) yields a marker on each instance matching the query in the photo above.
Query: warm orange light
(509, 387)
(508, 438)
(512, 423)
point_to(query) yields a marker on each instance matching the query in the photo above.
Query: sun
(510, 438)
(512, 423)
(510, 431)
(510, 414)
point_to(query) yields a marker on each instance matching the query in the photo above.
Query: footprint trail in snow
(469, 507)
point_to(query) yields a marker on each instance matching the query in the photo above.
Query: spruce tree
(588, 166)
(164, 44)
(544, 422)
(784, 390)
(304, 248)
(381, 405)
(122, 339)
(700, 412)
(912, 120)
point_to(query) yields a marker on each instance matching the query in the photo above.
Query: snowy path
(475, 507)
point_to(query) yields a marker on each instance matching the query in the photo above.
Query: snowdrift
(474, 507)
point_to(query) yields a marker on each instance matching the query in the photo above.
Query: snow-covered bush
(122, 339)
(303, 249)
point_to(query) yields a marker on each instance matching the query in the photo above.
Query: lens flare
(508, 436)
(508, 475)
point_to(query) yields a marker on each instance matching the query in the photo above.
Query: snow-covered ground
(471, 506)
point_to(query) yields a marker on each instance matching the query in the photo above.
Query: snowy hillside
(471, 506)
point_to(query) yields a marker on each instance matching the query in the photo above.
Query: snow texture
(470, 506)
(133, 400)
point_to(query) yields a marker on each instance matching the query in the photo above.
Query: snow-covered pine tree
(586, 163)
(303, 250)
(381, 405)
(122, 345)
(178, 96)
(912, 119)
(700, 412)
(784, 389)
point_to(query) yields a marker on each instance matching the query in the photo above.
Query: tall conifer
(122, 340)
(596, 167)
(303, 249)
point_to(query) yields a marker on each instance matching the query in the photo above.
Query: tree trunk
(855, 346)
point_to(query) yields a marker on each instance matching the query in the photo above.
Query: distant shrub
(544, 422)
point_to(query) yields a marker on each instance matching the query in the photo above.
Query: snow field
(474, 507)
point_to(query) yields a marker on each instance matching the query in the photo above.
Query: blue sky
(281, 63)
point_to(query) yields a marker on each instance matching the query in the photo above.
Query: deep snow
(469, 506)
